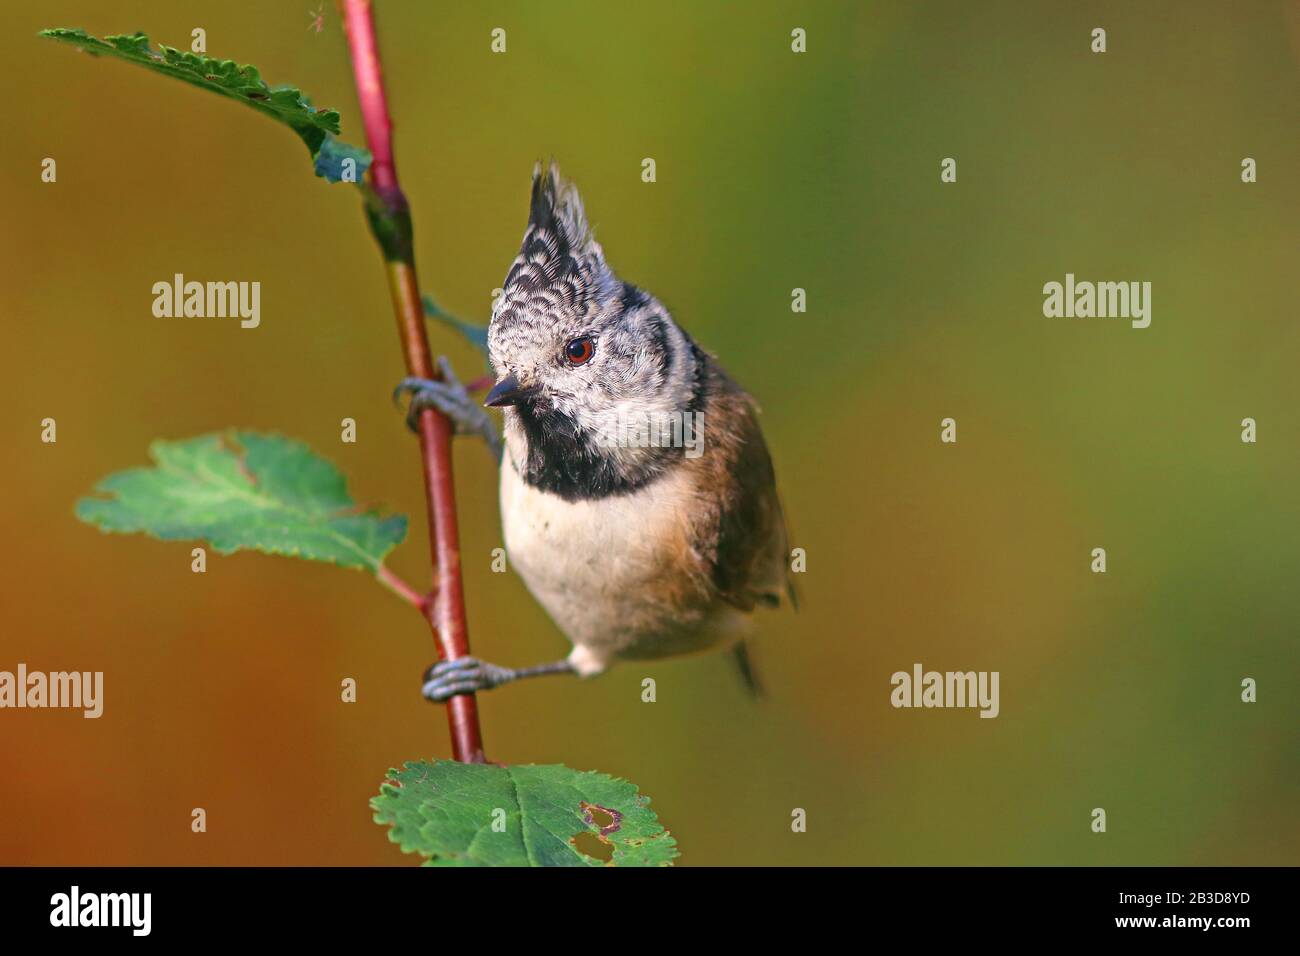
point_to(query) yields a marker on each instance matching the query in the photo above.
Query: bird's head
(575, 349)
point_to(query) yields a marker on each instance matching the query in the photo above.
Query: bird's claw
(452, 399)
(464, 675)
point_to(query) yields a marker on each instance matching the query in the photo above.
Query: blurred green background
(775, 170)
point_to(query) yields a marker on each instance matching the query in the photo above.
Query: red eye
(580, 350)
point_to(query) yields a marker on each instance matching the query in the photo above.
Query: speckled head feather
(560, 288)
(560, 268)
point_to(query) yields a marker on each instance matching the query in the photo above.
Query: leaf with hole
(285, 104)
(245, 490)
(458, 814)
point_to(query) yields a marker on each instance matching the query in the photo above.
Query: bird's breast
(618, 574)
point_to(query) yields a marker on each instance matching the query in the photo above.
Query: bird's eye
(580, 350)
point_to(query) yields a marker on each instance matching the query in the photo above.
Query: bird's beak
(508, 391)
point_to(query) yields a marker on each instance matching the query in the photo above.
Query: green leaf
(332, 156)
(475, 335)
(245, 490)
(553, 816)
(285, 104)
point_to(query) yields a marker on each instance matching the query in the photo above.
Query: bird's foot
(464, 675)
(451, 398)
(468, 675)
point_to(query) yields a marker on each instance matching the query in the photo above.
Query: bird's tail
(748, 672)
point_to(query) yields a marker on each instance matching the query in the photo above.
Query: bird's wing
(750, 560)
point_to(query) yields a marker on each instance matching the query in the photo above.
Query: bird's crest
(556, 210)
(560, 266)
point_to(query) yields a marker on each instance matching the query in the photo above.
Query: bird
(638, 498)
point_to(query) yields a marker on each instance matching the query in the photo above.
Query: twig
(403, 590)
(390, 221)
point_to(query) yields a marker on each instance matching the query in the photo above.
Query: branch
(390, 222)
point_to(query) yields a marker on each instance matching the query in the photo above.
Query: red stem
(390, 221)
(403, 590)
